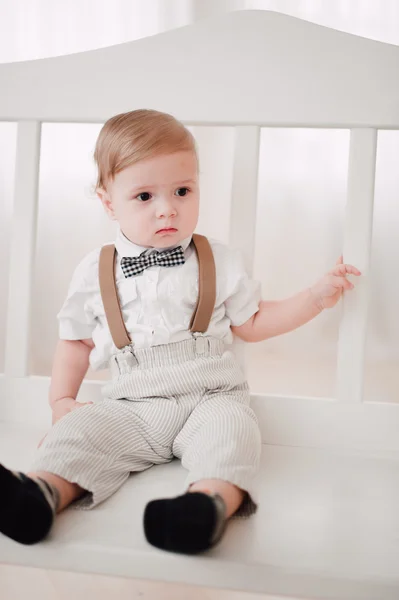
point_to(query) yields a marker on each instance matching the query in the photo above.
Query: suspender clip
(200, 343)
(123, 362)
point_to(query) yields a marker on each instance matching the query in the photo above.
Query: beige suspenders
(206, 293)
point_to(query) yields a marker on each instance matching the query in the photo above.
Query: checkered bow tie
(135, 265)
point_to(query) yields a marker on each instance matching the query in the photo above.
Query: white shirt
(157, 305)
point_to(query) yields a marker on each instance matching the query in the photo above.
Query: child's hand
(329, 289)
(61, 408)
(64, 406)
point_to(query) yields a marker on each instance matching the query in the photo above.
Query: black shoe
(190, 524)
(25, 514)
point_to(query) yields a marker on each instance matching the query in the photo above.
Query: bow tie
(135, 265)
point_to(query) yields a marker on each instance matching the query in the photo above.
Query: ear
(106, 202)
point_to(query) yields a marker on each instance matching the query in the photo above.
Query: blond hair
(133, 136)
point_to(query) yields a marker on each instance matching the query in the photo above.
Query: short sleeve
(76, 318)
(244, 292)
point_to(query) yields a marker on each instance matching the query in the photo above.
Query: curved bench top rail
(244, 67)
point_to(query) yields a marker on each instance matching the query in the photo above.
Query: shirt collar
(125, 247)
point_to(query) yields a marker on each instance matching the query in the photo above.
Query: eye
(144, 196)
(183, 191)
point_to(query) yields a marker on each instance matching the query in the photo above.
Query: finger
(80, 404)
(41, 441)
(339, 261)
(342, 282)
(346, 270)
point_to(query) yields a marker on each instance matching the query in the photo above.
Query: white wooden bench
(328, 521)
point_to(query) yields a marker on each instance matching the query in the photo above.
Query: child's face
(155, 201)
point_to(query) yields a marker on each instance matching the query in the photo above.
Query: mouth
(167, 230)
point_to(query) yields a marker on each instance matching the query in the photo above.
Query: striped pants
(184, 399)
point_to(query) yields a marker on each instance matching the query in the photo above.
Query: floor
(327, 528)
(17, 582)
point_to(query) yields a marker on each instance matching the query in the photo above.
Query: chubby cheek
(192, 213)
(134, 210)
(137, 221)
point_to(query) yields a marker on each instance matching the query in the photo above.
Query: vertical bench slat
(356, 251)
(23, 244)
(245, 192)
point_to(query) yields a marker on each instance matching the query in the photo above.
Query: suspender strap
(109, 295)
(206, 291)
(206, 285)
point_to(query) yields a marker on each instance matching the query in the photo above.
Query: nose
(166, 208)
